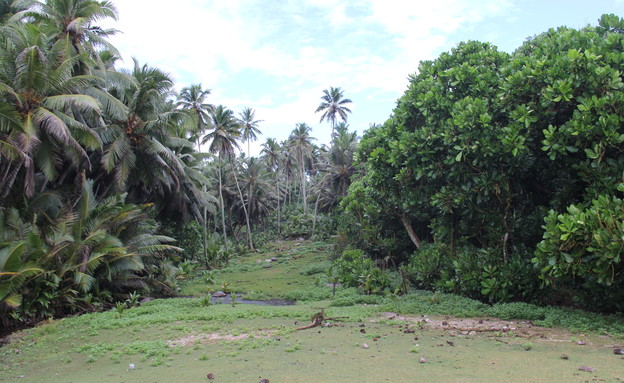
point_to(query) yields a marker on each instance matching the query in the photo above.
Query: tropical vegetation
(498, 176)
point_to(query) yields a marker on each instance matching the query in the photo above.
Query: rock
(268, 266)
(450, 343)
(365, 346)
(409, 331)
(274, 259)
(363, 331)
(264, 381)
(219, 294)
(145, 300)
(210, 376)
(565, 357)
(21, 376)
(422, 360)
(618, 351)
(581, 343)
(131, 366)
(587, 369)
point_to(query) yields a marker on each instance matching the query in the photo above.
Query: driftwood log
(318, 319)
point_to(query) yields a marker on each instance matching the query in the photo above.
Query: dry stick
(477, 329)
(317, 320)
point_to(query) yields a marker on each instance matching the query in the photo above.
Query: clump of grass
(310, 294)
(315, 268)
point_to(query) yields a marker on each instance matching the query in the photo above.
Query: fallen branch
(477, 329)
(318, 319)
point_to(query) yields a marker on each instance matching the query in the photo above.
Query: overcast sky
(277, 56)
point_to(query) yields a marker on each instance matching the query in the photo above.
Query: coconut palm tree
(333, 106)
(224, 141)
(257, 188)
(193, 100)
(138, 138)
(301, 143)
(47, 124)
(249, 126)
(71, 23)
(272, 152)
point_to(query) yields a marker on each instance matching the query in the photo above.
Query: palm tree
(193, 100)
(139, 139)
(301, 143)
(46, 122)
(223, 141)
(271, 151)
(258, 189)
(71, 23)
(250, 127)
(333, 106)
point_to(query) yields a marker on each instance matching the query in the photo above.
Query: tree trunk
(279, 221)
(303, 185)
(240, 194)
(205, 234)
(315, 210)
(410, 230)
(222, 206)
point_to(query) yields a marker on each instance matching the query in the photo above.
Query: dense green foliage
(480, 148)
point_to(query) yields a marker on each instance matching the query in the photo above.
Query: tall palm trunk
(240, 194)
(222, 205)
(205, 231)
(303, 184)
(279, 218)
(318, 197)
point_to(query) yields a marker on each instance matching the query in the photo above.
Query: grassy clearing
(184, 339)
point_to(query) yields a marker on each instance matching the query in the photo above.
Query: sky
(277, 56)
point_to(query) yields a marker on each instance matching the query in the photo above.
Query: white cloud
(303, 47)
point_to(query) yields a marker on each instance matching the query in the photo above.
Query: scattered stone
(618, 351)
(274, 259)
(565, 357)
(219, 294)
(480, 321)
(581, 343)
(444, 323)
(210, 376)
(409, 331)
(422, 360)
(131, 367)
(450, 343)
(375, 339)
(363, 331)
(278, 338)
(21, 376)
(264, 381)
(587, 369)
(365, 346)
(268, 266)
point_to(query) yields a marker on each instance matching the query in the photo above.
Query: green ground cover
(382, 339)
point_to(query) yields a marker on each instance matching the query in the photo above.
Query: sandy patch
(486, 326)
(213, 337)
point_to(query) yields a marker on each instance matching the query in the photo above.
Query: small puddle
(227, 299)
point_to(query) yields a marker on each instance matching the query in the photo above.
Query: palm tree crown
(333, 106)
(250, 127)
(193, 100)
